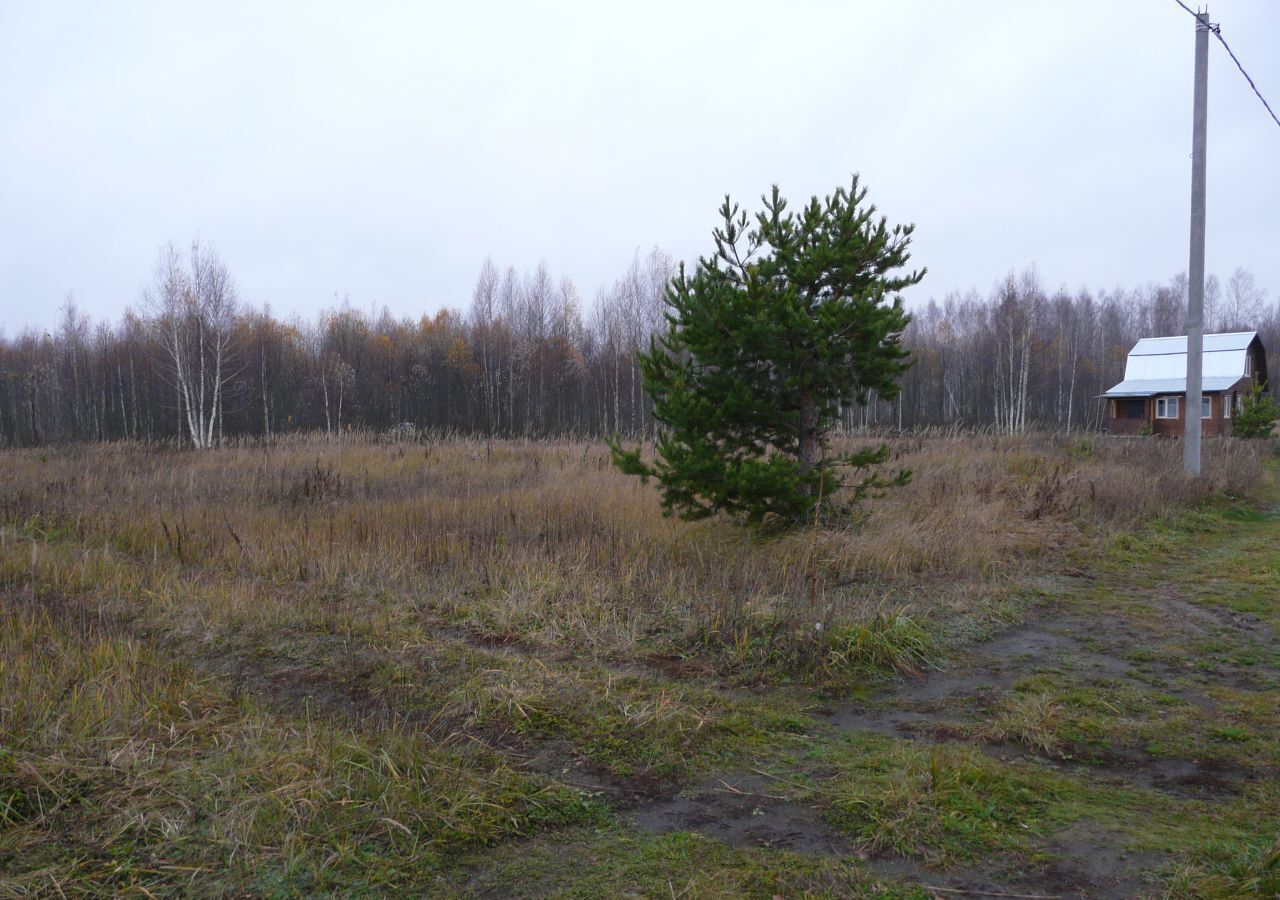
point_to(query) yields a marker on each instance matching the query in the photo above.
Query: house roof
(1159, 365)
(1213, 343)
(1149, 387)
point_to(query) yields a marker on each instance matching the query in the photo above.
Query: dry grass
(1032, 720)
(312, 665)
(548, 545)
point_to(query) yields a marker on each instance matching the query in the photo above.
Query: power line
(1217, 31)
(1246, 76)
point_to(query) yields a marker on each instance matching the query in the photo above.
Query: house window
(1228, 401)
(1166, 407)
(1248, 366)
(1206, 407)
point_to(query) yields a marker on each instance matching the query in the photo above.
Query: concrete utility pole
(1195, 270)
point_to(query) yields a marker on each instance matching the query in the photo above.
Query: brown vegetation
(351, 664)
(546, 544)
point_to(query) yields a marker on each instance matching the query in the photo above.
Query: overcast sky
(383, 150)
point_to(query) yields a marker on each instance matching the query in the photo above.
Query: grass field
(1046, 666)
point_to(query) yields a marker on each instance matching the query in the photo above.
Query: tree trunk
(808, 431)
(324, 387)
(266, 411)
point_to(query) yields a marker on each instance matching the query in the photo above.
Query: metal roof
(1213, 343)
(1151, 386)
(1159, 365)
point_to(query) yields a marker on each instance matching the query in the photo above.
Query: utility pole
(1195, 270)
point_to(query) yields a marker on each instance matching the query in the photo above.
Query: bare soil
(744, 811)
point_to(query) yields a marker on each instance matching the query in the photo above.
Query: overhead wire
(1217, 31)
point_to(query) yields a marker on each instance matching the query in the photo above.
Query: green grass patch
(943, 803)
(124, 771)
(617, 863)
(1230, 870)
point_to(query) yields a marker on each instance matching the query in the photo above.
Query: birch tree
(1014, 324)
(194, 306)
(1242, 305)
(483, 301)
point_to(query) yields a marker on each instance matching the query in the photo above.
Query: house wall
(1215, 425)
(1257, 361)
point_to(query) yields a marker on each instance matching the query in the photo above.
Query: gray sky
(382, 150)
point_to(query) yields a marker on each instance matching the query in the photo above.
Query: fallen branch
(809, 788)
(943, 890)
(728, 788)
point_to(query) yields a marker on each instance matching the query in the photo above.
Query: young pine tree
(1257, 415)
(788, 321)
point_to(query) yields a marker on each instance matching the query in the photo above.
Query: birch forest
(527, 355)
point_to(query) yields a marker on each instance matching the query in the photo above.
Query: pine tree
(1257, 415)
(786, 323)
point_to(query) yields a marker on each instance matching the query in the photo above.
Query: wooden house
(1152, 396)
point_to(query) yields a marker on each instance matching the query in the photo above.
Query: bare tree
(1015, 325)
(517, 349)
(341, 374)
(1212, 303)
(483, 301)
(1242, 305)
(536, 300)
(194, 307)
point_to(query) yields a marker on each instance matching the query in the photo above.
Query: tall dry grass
(547, 544)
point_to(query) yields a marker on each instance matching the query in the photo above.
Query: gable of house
(1159, 365)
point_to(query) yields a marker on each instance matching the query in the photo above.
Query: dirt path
(1125, 639)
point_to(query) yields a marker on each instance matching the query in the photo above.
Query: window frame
(1165, 403)
(1206, 400)
(1228, 401)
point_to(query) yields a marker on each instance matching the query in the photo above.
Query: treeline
(191, 362)
(1021, 356)
(530, 358)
